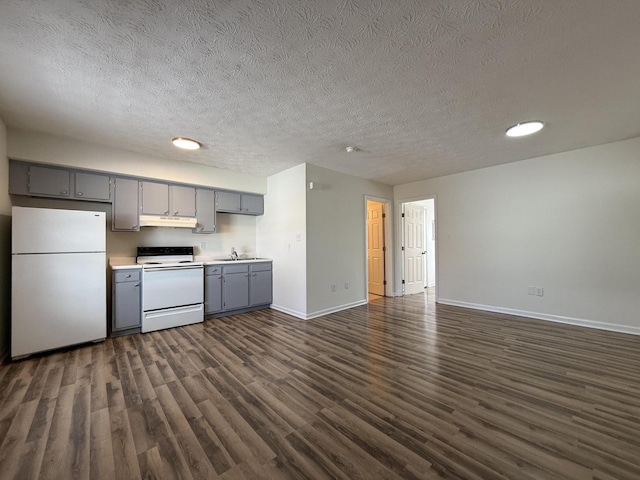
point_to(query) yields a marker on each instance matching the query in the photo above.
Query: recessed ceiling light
(186, 143)
(351, 149)
(526, 128)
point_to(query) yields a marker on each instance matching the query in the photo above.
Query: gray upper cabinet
(155, 198)
(205, 211)
(228, 202)
(182, 201)
(151, 197)
(245, 203)
(49, 181)
(58, 182)
(92, 186)
(165, 199)
(252, 204)
(124, 208)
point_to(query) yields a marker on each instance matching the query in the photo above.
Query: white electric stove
(172, 287)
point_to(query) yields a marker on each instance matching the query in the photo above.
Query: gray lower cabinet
(238, 287)
(124, 209)
(126, 302)
(212, 289)
(235, 286)
(260, 284)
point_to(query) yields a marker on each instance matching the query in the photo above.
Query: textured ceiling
(423, 88)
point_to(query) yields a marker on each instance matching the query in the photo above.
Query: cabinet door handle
(175, 213)
(253, 274)
(135, 225)
(246, 274)
(137, 285)
(63, 192)
(166, 212)
(128, 275)
(79, 194)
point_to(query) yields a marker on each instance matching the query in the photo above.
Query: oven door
(169, 287)
(172, 317)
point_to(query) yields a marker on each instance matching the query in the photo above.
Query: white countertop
(222, 261)
(120, 263)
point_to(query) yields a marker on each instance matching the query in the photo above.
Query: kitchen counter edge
(122, 263)
(232, 262)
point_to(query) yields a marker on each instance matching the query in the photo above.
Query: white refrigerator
(58, 279)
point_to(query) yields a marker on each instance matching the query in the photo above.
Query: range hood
(166, 221)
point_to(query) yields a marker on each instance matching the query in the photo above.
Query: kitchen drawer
(243, 268)
(261, 267)
(213, 269)
(127, 276)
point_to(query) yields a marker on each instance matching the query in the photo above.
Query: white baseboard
(338, 308)
(613, 327)
(319, 313)
(288, 311)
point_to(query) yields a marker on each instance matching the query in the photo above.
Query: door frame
(399, 254)
(388, 240)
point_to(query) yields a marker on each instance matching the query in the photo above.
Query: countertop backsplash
(237, 231)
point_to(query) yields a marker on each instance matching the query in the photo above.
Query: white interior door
(375, 246)
(413, 249)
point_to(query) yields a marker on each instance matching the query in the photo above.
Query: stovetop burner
(165, 255)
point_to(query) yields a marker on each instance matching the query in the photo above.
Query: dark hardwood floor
(397, 388)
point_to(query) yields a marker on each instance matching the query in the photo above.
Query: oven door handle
(164, 269)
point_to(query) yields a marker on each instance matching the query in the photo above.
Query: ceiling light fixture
(351, 149)
(526, 128)
(186, 143)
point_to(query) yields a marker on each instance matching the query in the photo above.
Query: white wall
(430, 243)
(569, 223)
(281, 233)
(5, 245)
(40, 147)
(336, 239)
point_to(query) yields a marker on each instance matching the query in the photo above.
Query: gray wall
(5, 245)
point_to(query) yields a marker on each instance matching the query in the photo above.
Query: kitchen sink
(238, 259)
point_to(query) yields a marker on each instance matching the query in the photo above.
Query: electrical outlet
(531, 290)
(203, 245)
(346, 285)
(539, 291)
(333, 287)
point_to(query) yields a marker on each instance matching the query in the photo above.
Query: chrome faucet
(234, 254)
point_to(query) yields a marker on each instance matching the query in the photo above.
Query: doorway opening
(377, 237)
(418, 248)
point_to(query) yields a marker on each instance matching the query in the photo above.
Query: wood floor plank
(126, 461)
(15, 438)
(397, 388)
(102, 462)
